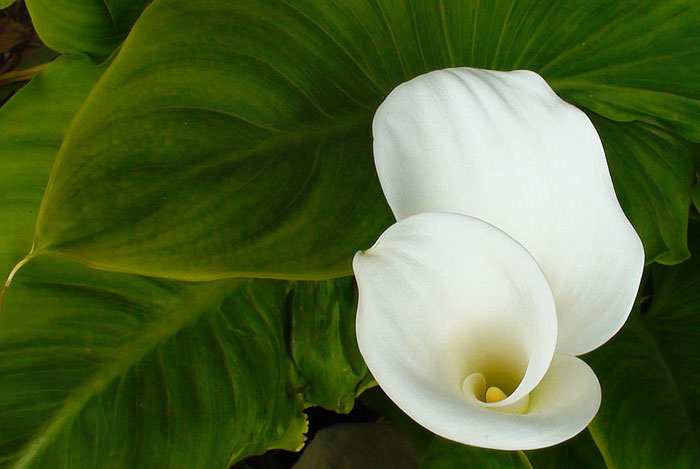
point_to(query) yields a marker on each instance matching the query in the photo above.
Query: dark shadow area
(319, 418)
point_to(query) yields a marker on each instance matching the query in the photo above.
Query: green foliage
(32, 125)
(650, 375)
(95, 27)
(90, 359)
(653, 172)
(264, 118)
(6, 3)
(117, 356)
(445, 454)
(695, 195)
(328, 357)
(627, 60)
(276, 187)
(580, 452)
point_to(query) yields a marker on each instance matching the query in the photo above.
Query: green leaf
(243, 147)
(445, 454)
(356, 445)
(267, 184)
(653, 172)
(6, 3)
(199, 373)
(695, 196)
(32, 125)
(95, 27)
(99, 369)
(328, 357)
(628, 61)
(650, 376)
(579, 452)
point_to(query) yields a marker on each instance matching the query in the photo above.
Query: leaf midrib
(183, 312)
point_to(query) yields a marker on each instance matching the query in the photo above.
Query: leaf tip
(12, 274)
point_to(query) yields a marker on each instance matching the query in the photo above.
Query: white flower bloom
(511, 255)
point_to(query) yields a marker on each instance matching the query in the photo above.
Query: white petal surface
(561, 406)
(502, 147)
(443, 297)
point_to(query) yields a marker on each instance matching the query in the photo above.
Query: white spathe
(510, 256)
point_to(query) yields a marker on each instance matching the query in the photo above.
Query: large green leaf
(445, 454)
(695, 195)
(653, 172)
(243, 148)
(650, 375)
(110, 370)
(626, 60)
(578, 453)
(6, 3)
(95, 27)
(114, 370)
(99, 369)
(32, 125)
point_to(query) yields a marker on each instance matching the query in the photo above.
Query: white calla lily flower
(511, 255)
